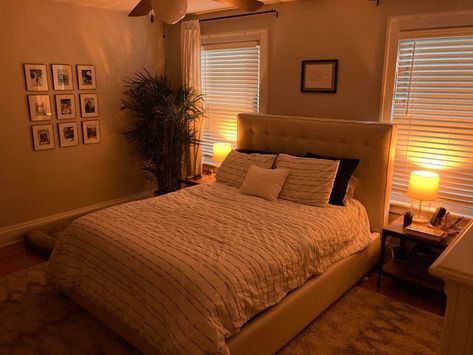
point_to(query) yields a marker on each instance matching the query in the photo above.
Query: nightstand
(203, 179)
(419, 252)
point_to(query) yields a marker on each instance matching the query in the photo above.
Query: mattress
(187, 270)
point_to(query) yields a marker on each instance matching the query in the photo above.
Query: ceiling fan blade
(142, 9)
(248, 5)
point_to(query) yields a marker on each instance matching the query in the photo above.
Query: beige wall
(352, 31)
(38, 184)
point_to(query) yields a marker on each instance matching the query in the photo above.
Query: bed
(143, 268)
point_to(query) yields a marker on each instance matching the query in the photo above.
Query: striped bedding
(189, 269)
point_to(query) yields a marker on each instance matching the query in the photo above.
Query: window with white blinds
(230, 85)
(433, 107)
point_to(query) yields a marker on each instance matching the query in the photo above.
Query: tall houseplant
(161, 126)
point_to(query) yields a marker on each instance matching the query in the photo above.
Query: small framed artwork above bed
(319, 75)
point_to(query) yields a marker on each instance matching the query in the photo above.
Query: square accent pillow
(233, 170)
(344, 173)
(310, 180)
(265, 183)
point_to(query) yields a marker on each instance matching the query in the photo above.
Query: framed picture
(91, 131)
(40, 107)
(86, 77)
(65, 106)
(36, 77)
(68, 134)
(319, 75)
(89, 105)
(62, 77)
(43, 137)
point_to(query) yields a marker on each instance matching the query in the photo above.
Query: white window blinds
(433, 108)
(230, 85)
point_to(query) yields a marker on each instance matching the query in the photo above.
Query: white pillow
(233, 170)
(309, 181)
(265, 183)
(352, 184)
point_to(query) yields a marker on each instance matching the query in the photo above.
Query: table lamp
(423, 186)
(220, 151)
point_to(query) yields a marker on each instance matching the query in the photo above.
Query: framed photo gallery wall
(65, 99)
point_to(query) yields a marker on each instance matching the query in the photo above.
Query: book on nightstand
(423, 230)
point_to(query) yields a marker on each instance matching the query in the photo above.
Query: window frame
(261, 36)
(405, 27)
(231, 38)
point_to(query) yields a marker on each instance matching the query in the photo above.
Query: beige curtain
(190, 69)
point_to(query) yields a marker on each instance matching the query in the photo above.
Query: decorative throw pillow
(265, 183)
(352, 184)
(233, 170)
(345, 170)
(310, 181)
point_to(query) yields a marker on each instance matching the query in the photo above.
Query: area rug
(37, 319)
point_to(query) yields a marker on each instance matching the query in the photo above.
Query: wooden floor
(15, 257)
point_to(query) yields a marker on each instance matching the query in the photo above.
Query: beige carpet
(36, 319)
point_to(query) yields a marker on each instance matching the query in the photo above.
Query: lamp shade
(423, 185)
(170, 11)
(220, 151)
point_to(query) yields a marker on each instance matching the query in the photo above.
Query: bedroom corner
(46, 187)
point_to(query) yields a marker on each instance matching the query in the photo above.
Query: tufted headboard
(372, 143)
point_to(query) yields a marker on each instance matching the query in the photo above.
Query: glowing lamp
(423, 186)
(220, 151)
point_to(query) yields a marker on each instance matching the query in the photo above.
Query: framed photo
(36, 77)
(62, 77)
(86, 77)
(40, 107)
(65, 106)
(43, 137)
(319, 75)
(68, 134)
(89, 105)
(91, 131)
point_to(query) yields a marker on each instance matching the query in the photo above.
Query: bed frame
(373, 144)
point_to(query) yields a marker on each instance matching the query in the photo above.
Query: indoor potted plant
(161, 126)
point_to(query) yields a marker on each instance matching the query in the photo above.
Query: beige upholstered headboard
(372, 143)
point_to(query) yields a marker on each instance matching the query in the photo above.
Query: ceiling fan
(171, 11)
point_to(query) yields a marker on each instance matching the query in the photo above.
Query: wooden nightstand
(420, 253)
(203, 179)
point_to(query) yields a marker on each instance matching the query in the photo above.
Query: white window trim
(404, 27)
(260, 35)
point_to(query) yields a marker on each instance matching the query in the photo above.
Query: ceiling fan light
(170, 11)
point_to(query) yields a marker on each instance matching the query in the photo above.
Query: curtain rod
(241, 15)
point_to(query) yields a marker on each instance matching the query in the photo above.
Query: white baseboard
(14, 233)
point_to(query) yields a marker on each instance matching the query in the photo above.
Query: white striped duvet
(190, 268)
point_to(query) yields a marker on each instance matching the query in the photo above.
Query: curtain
(190, 69)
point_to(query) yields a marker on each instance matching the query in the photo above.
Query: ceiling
(194, 6)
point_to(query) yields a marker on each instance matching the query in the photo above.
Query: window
(231, 83)
(432, 104)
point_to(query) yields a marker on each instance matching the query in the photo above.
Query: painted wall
(353, 31)
(37, 184)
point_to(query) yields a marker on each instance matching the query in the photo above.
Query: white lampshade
(423, 185)
(170, 11)
(220, 151)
